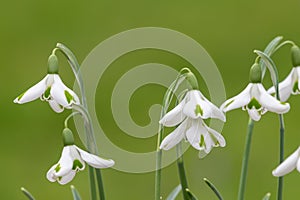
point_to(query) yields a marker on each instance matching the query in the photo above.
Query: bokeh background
(229, 30)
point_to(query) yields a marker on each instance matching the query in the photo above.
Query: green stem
(166, 102)
(243, 177)
(91, 142)
(92, 183)
(181, 171)
(281, 157)
(281, 45)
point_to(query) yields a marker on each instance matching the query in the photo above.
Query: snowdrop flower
(288, 165)
(291, 84)
(72, 160)
(188, 114)
(197, 133)
(255, 99)
(51, 89)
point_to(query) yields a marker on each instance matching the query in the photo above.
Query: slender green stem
(281, 45)
(166, 102)
(92, 183)
(213, 188)
(244, 171)
(69, 117)
(281, 157)
(181, 171)
(91, 142)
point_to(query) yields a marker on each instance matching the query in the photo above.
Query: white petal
(66, 178)
(94, 160)
(65, 162)
(174, 116)
(214, 111)
(50, 174)
(32, 93)
(297, 79)
(55, 106)
(270, 103)
(238, 101)
(287, 165)
(194, 101)
(59, 92)
(217, 136)
(193, 133)
(175, 137)
(254, 114)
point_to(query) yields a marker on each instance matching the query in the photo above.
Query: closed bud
(52, 64)
(68, 138)
(295, 51)
(255, 73)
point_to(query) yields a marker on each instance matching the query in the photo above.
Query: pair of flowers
(52, 90)
(194, 107)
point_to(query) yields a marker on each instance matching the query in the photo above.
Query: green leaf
(27, 194)
(269, 51)
(75, 193)
(191, 195)
(174, 193)
(213, 188)
(271, 67)
(267, 196)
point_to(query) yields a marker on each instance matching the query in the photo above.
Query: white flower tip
(275, 173)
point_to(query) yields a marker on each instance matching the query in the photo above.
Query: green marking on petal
(68, 96)
(47, 93)
(59, 178)
(295, 88)
(230, 102)
(20, 96)
(254, 103)
(77, 165)
(57, 168)
(198, 110)
(202, 142)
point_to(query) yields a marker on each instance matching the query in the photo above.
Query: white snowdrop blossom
(52, 90)
(72, 160)
(255, 99)
(288, 165)
(188, 114)
(290, 85)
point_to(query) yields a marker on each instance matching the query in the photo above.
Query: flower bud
(52, 64)
(190, 77)
(68, 138)
(255, 73)
(295, 51)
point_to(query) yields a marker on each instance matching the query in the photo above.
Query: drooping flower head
(255, 99)
(288, 165)
(291, 84)
(188, 114)
(73, 160)
(50, 89)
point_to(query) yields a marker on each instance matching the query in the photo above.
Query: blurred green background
(229, 30)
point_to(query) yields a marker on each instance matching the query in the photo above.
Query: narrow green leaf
(191, 195)
(75, 193)
(269, 51)
(174, 193)
(271, 67)
(27, 194)
(213, 188)
(267, 196)
(69, 54)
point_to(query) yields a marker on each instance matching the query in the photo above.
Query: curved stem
(166, 102)
(181, 171)
(91, 142)
(281, 45)
(69, 117)
(244, 171)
